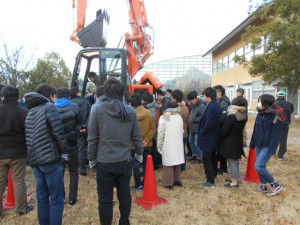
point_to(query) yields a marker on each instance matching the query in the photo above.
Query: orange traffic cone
(150, 197)
(9, 202)
(251, 174)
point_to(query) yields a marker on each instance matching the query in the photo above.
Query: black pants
(283, 142)
(110, 175)
(73, 170)
(210, 166)
(82, 153)
(223, 162)
(157, 161)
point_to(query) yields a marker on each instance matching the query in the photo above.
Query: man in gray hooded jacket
(112, 125)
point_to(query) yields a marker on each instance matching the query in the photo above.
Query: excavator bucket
(95, 34)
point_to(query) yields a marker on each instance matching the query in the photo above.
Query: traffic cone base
(251, 174)
(150, 197)
(149, 204)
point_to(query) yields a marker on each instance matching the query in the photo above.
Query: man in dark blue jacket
(208, 136)
(85, 108)
(72, 121)
(47, 148)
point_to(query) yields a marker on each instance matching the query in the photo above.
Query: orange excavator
(119, 63)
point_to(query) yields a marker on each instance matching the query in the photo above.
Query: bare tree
(14, 66)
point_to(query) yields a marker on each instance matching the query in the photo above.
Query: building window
(231, 62)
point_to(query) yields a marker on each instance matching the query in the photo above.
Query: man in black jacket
(13, 150)
(224, 103)
(288, 109)
(85, 108)
(112, 125)
(72, 122)
(196, 114)
(47, 149)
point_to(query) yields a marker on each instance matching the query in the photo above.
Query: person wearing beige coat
(170, 145)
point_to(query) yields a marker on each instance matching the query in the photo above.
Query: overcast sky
(182, 28)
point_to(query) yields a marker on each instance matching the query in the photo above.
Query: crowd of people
(60, 129)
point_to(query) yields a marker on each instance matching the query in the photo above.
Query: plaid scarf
(279, 115)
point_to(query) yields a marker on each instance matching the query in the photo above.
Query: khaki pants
(245, 136)
(18, 171)
(171, 174)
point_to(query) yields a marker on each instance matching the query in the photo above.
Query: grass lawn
(191, 205)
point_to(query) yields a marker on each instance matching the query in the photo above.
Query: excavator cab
(105, 62)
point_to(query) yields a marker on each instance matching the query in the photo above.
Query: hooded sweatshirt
(112, 125)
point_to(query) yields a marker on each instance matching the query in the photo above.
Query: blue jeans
(183, 166)
(193, 140)
(263, 155)
(50, 193)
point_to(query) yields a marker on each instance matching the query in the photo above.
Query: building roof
(232, 34)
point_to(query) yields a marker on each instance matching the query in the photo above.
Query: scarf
(279, 115)
(123, 109)
(239, 112)
(100, 99)
(170, 111)
(62, 102)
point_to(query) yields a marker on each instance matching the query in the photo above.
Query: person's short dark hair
(99, 91)
(113, 89)
(169, 90)
(135, 100)
(10, 92)
(160, 92)
(241, 91)
(74, 92)
(147, 97)
(1, 87)
(267, 100)
(210, 92)
(240, 101)
(45, 90)
(63, 93)
(170, 105)
(177, 95)
(92, 74)
(192, 95)
(220, 88)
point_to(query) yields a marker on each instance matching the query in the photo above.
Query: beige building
(232, 76)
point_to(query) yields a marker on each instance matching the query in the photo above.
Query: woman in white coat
(170, 145)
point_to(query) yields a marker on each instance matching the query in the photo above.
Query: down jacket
(195, 117)
(44, 132)
(170, 138)
(71, 118)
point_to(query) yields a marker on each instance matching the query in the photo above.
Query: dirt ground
(191, 205)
